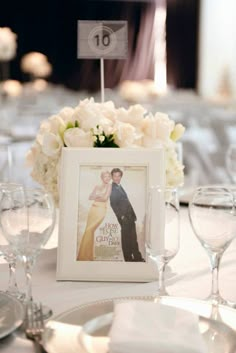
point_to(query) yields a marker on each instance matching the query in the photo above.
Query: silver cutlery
(34, 325)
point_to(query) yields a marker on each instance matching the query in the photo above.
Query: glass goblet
(27, 218)
(8, 252)
(231, 162)
(213, 219)
(162, 230)
(5, 163)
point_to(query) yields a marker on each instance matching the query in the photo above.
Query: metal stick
(102, 80)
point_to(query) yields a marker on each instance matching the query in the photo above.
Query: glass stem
(161, 279)
(28, 273)
(215, 258)
(12, 284)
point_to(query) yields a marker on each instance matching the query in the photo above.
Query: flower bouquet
(93, 124)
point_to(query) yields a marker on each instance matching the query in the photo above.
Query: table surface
(188, 276)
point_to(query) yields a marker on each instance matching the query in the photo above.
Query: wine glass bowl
(27, 218)
(213, 219)
(231, 162)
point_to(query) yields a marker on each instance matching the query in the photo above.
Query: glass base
(219, 300)
(18, 295)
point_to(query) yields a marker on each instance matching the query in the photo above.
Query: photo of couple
(109, 206)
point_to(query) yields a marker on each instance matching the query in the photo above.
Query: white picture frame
(80, 168)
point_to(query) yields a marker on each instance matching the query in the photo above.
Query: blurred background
(181, 60)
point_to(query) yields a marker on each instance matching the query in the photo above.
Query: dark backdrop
(50, 27)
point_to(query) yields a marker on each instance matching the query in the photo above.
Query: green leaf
(76, 123)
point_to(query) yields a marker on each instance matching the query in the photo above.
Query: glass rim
(163, 188)
(214, 189)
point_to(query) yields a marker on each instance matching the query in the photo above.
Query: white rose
(178, 132)
(57, 124)
(76, 137)
(125, 135)
(66, 113)
(52, 144)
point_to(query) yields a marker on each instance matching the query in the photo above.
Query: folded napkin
(148, 327)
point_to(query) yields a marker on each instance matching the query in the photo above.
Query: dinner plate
(217, 324)
(11, 314)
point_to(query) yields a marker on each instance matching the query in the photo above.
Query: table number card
(102, 39)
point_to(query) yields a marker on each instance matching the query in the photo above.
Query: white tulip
(76, 137)
(178, 132)
(52, 144)
(164, 126)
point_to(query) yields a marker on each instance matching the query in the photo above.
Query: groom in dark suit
(126, 217)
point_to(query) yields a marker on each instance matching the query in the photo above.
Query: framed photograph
(103, 198)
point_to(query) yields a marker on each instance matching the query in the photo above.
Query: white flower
(32, 155)
(174, 169)
(57, 124)
(12, 88)
(130, 127)
(101, 138)
(178, 132)
(158, 127)
(125, 135)
(7, 44)
(66, 113)
(36, 64)
(164, 126)
(134, 115)
(52, 144)
(76, 137)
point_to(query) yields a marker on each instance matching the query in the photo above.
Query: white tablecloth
(189, 276)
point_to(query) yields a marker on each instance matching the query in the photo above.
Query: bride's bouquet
(92, 124)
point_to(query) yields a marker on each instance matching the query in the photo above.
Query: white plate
(11, 314)
(91, 317)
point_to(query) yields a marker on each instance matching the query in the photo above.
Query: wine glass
(162, 229)
(27, 218)
(5, 163)
(7, 250)
(213, 219)
(231, 162)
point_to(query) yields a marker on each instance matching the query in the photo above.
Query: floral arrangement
(7, 44)
(92, 124)
(36, 64)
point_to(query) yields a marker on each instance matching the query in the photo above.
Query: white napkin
(148, 327)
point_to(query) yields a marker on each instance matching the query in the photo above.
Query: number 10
(105, 40)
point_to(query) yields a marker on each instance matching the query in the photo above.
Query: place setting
(117, 179)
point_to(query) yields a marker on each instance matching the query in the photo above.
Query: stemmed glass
(27, 218)
(9, 252)
(6, 250)
(162, 230)
(213, 219)
(231, 162)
